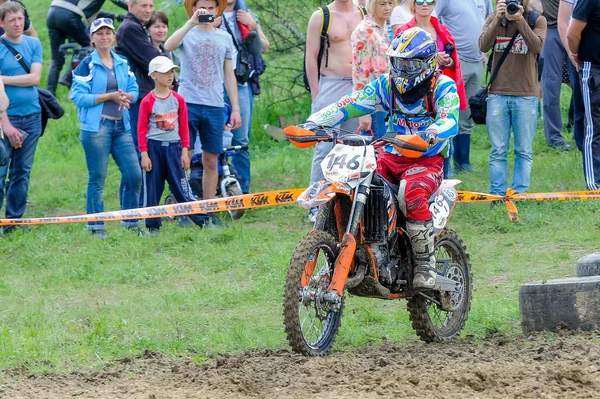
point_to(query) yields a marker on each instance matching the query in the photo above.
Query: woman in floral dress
(370, 43)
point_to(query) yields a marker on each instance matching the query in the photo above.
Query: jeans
(21, 162)
(241, 160)
(111, 139)
(134, 111)
(63, 24)
(554, 57)
(520, 113)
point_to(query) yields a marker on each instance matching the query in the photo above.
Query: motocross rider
(420, 101)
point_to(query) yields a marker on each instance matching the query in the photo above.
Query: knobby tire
(295, 313)
(421, 309)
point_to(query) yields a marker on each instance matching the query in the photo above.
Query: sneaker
(312, 215)
(140, 232)
(496, 203)
(215, 220)
(6, 230)
(562, 147)
(184, 221)
(99, 234)
(154, 231)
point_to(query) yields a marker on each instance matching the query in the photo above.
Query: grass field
(69, 300)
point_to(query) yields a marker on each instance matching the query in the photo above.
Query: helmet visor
(407, 68)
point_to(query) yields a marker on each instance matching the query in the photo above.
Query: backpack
(324, 41)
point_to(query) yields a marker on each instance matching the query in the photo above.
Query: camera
(512, 6)
(206, 18)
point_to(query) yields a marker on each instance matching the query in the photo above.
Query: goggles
(407, 69)
(421, 2)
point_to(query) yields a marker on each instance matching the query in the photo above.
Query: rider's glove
(429, 136)
(308, 126)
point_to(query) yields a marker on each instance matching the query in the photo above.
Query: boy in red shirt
(164, 140)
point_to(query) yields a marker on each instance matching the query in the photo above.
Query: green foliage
(69, 300)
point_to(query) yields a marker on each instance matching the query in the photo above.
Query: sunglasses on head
(421, 2)
(101, 21)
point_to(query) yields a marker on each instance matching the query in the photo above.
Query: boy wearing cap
(205, 54)
(164, 140)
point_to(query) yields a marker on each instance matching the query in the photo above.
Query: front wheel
(311, 323)
(431, 321)
(232, 191)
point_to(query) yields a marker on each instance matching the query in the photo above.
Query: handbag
(478, 101)
(51, 108)
(243, 66)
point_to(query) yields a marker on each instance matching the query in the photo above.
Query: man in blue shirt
(23, 126)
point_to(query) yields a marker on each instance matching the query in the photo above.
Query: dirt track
(566, 366)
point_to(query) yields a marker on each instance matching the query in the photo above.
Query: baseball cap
(101, 23)
(161, 64)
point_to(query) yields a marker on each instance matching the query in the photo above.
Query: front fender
(322, 192)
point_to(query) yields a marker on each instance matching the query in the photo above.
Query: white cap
(101, 23)
(161, 64)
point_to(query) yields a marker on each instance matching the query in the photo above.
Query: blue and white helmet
(413, 58)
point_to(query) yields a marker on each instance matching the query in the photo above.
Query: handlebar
(411, 146)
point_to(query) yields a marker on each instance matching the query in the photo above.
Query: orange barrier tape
(511, 195)
(246, 201)
(282, 197)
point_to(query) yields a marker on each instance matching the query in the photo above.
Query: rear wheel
(234, 190)
(430, 321)
(311, 323)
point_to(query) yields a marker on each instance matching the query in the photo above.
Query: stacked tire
(569, 303)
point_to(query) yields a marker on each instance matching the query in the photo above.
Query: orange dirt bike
(359, 245)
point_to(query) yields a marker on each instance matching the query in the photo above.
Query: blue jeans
(21, 162)
(520, 113)
(111, 139)
(134, 111)
(377, 124)
(241, 160)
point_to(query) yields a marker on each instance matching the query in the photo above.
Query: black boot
(462, 150)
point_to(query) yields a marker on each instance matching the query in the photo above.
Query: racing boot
(421, 238)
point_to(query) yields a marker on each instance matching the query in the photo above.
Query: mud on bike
(359, 246)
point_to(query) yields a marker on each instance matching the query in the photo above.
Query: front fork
(348, 243)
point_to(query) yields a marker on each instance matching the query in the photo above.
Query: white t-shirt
(229, 18)
(400, 16)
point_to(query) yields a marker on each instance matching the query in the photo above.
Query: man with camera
(513, 95)
(206, 65)
(465, 20)
(583, 35)
(241, 58)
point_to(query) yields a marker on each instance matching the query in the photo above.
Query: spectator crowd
(142, 97)
(148, 99)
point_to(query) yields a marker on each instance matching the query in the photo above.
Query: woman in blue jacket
(103, 89)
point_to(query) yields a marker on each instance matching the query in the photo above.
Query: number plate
(345, 163)
(441, 206)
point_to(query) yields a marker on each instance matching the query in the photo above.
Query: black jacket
(134, 43)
